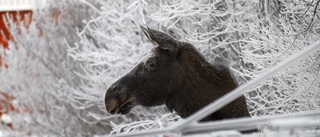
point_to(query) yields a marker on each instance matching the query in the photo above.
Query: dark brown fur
(178, 76)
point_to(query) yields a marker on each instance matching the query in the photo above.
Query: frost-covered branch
(62, 63)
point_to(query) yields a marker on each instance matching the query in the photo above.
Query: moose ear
(149, 35)
(158, 38)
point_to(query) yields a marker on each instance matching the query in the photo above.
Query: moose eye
(170, 41)
(150, 64)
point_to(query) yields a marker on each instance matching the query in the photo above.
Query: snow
(263, 134)
(294, 123)
(6, 118)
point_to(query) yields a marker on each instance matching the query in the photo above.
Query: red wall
(5, 36)
(6, 105)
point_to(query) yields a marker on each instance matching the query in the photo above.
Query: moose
(177, 75)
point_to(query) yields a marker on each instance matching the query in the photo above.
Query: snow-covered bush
(61, 65)
(42, 77)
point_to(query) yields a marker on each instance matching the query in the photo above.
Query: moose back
(177, 75)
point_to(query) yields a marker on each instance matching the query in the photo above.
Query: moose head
(174, 73)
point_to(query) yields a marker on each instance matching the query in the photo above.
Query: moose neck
(202, 83)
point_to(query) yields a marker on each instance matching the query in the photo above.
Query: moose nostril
(113, 111)
(111, 106)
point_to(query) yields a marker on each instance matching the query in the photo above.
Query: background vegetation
(61, 64)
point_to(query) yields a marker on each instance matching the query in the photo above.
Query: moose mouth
(125, 108)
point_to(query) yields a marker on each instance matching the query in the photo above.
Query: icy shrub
(62, 63)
